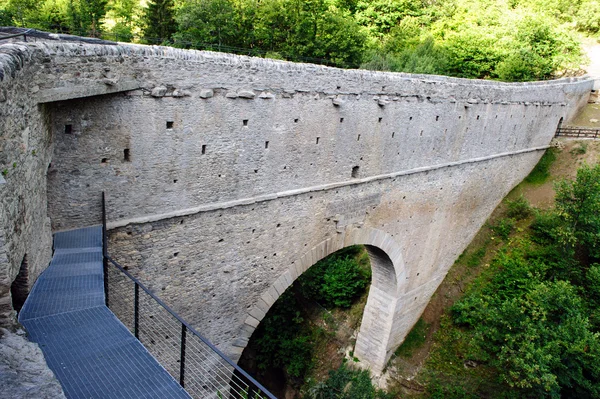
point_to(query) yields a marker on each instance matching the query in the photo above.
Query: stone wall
(25, 152)
(228, 176)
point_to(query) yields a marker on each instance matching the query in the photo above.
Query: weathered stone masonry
(229, 176)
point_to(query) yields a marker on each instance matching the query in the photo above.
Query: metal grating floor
(91, 352)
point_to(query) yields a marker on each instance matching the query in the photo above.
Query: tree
(578, 205)
(121, 18)
(159, 21)
(85, 16)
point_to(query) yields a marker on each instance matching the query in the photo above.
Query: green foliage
(476, 257)
(540, 173)
(588, 16)
(578, 206)
(519, 208)
(534, 317)
(284, 339)
(159, 21)
(580, 149)
(514, 40)
(414, 340)
(503, 227)
(345, 383)
(336, 280)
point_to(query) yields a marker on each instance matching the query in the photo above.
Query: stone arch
(378, 334)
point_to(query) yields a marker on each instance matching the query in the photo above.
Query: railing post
(136, 312)
(104, 250)
(182, 357)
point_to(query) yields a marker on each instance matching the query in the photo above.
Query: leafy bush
(535, 316)
(338, 279)
(281, 339)
(540, 173)
(578, 206)
(503, 227)
(545, 227)
(519, 208)
(345, 383)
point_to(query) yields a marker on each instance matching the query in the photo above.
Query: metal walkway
(91, 352)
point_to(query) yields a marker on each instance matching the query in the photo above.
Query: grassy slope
(437, 353)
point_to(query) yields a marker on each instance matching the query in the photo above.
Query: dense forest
(510, 40)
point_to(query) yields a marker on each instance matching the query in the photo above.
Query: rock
(249, 94)
(181, 93)
(24, 371)
(594, 120)
(207, 93)
(266, 95)
(159, 91)
(231, 94)
(337, 101)
(2, 96)
(109, 82)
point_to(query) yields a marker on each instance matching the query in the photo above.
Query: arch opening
(19, 289)
(311, 325)
(377, 332)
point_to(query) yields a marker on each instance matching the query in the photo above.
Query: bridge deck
(91, 352)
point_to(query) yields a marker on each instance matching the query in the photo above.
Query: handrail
(584, 132)
(184, 325)
(24, 34)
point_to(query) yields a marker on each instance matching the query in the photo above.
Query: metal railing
(581, 132)
(24, 34)
(202, 369)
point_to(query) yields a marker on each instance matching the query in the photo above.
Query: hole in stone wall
(126, 157)
(19, 289)
(358, 138)
(203, 148)
(393, 134)
(355, 171)
(437, 118)
(266, 144)
(175, 181)
(341, 120)
(245, 122)
(68, 129)
(379, 120)
(410, 118)
(477, 117)
(175, 254)
(317, 140)
(169, 124)
(296, 120)
(104, 160)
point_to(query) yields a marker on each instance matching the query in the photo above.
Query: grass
(540, 173)
(580, 149)
(414, 340)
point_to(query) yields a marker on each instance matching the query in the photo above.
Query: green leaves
(337, 280)
(537, 317)
(578, 206)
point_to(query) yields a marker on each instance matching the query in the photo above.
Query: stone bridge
(227, 176)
